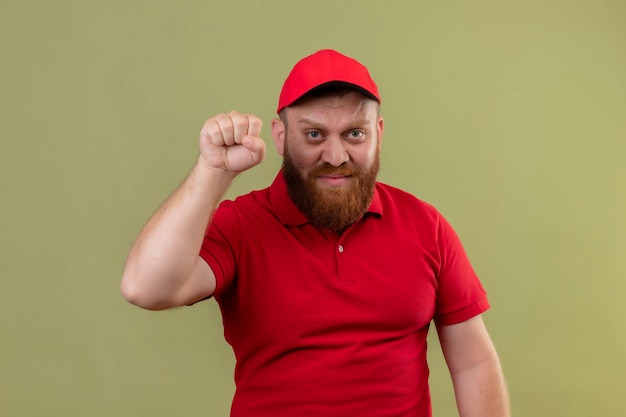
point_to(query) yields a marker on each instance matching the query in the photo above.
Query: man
(327, 280)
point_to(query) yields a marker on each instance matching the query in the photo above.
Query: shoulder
(253, 200)
(397, 201)
(242, 211)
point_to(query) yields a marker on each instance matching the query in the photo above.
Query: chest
(304, 285)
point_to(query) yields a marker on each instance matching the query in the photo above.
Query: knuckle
(211, 130)
(241, 124)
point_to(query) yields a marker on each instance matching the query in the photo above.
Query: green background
(510, 117)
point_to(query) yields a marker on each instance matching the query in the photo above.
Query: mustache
(328, 169)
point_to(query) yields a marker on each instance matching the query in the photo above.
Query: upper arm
(479, 384)
(200, 285)
(466, 344)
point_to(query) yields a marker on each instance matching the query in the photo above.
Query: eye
(356, 134)
(314, 134)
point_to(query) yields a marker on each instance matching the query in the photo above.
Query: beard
(331, 208)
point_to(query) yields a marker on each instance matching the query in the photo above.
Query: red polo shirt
(329, 325)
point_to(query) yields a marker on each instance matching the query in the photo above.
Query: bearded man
(327, 280)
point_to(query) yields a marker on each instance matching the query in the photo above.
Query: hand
(230, 142)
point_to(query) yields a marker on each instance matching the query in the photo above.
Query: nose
(334, 152)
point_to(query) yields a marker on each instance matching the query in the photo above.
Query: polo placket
(342, 257)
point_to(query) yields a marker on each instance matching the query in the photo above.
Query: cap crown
(324, 67)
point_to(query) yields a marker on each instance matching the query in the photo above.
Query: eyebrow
(355, 123)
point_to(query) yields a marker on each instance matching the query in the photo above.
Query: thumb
(256, 146)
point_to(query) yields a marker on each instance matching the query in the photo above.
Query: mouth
(334, 180)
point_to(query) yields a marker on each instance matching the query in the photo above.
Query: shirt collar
(290, 215)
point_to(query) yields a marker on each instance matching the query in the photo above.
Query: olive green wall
(508, 116)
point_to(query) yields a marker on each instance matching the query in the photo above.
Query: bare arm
(476, 373)
(163, 269)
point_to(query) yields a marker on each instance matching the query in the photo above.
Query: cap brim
(332, 84)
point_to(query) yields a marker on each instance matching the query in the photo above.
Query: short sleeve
(220, 244)
(460, 294)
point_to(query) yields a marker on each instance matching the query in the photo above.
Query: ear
(380, 127)
(278, 134)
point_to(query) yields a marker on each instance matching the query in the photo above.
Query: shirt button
(341, 248)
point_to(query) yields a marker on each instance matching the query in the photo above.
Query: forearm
(481, 391)
(166, 250)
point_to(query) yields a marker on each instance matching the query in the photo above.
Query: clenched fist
(230, 142)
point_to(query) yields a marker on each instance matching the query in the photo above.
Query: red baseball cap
(326, 67)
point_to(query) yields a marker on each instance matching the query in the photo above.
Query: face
(330, 149)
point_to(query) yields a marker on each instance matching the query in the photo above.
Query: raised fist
(231, 142)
